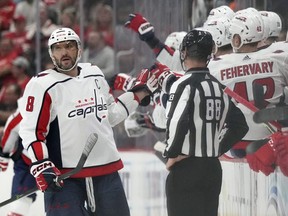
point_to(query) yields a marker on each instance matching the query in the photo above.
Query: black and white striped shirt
(197, 111)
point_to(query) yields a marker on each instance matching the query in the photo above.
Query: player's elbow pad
(167, 82)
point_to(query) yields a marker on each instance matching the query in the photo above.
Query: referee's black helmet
(197, 44)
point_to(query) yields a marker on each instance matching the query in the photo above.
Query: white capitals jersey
(278, 47)
(10, 141)
(171, 60)
(239, 71)
(60, 112)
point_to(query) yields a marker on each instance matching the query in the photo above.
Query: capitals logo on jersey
(94, 105)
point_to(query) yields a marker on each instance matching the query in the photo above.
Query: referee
(202, 124)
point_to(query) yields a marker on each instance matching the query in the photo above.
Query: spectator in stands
(46, 24)
(8, 103)
(30, 53)
(7, 54)
(69, 19)
(7, 8)
(63, 4)
(18, 33)
(21, 71)
(104, 23)
(100, 54)
(27, 8)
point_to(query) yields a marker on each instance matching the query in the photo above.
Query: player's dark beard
(66, 67)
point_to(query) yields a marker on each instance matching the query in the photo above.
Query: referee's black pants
(193, 187)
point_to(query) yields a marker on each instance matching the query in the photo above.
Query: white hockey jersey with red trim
(60, 112)
(239, 71)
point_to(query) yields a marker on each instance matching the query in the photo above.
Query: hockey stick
(251, 106)
(271, 114)
(258, 95)
(254, 146)
(90, 143)
(259, 101)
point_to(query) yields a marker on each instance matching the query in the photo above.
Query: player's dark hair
(198, 45)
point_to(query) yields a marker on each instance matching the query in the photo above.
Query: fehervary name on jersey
(246, 70)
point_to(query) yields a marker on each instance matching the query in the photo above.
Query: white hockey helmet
(249, 10)
(219, 28)
(273, 21)
(60, 35)
(174, 39)
(254, 12)
(249, 27)
(221, 11)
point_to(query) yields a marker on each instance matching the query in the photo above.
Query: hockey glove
(146, 82)
(4, 161)
(146, 121)
(139, 24)
(281, 146)
(132, 128)
(282, 162)
(46, 175)
(123, 82)
(281, 149)
(164, 76)
(266, 154)
(256, 165)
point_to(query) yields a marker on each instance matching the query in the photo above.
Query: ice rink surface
(36, 209)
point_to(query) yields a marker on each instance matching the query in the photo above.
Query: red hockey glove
(281, 149)
(145, 81)
(164, 76)
(123, 82)
(256, 165)
(46, 175)
(266, 154)
(281, 146)
(139, 24)
(282, 162)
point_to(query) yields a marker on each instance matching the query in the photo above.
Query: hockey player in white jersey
(273, 25)
(23, 181)
(164, 54)
(245, 67)
(219, 29)
(221, 11)
(145, 30)
(61, 108)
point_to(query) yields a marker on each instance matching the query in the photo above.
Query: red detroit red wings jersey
(60, 112)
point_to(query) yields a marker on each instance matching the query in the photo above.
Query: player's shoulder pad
(44, 73)
(47, 78)
(88, 70)
(83, 65)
